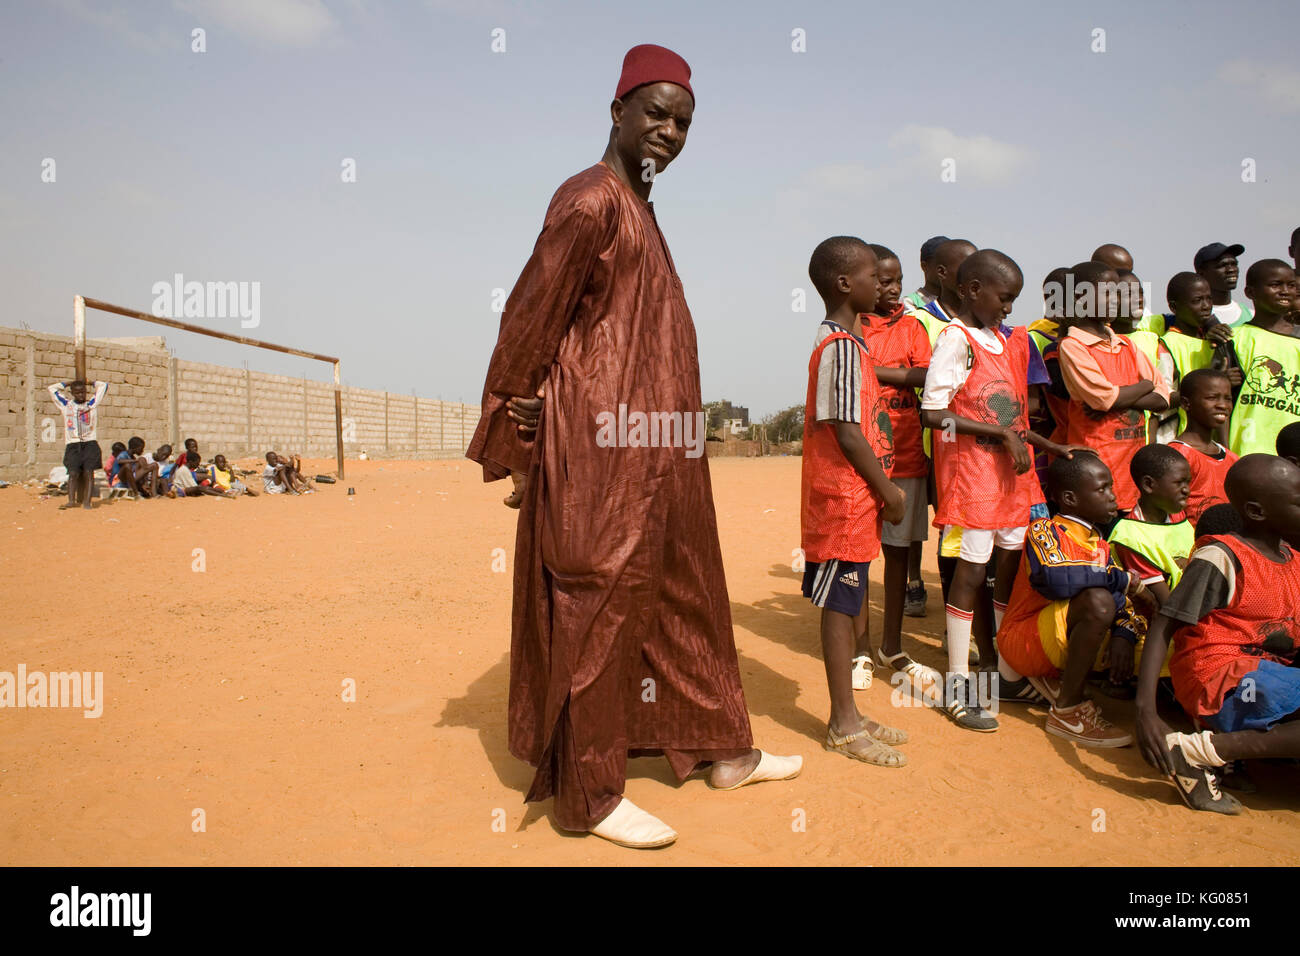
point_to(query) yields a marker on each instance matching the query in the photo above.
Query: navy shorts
(82, 456)
(1265, 696)
(836, 585)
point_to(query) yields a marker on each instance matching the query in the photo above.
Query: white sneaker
(862, 672)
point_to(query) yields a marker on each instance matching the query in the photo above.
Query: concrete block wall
(31, 424)
(212, 407)
(233, 411)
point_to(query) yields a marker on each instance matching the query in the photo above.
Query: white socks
(1007, 672)
(1197, 748)
(959, 624)
(999, 612)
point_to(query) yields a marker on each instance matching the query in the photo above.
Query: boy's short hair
(986, 264)
(1153, 461)
(1288, 442)
(832, 258)
(1090, 271)
(135, 443)
(1057, 276)
(1064, 474)
(1219, 519)
(1199, 378)
(1179, 284)
(931, 246)
(1090, 275)
(882, 252)
(1258, 269)
(118, 448)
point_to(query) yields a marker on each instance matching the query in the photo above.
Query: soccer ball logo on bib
(1000, 398)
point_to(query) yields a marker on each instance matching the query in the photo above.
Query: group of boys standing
(1154, 437)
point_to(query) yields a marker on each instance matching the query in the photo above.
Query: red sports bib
(1115, 436)
(839, 515)
(975, 476)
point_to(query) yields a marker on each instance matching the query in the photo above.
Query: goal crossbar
(81, 303)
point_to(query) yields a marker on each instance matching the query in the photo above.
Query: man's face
(990, 300)
(78, 391)
(889, 280)
(651, 126)
(1274, 292)
(1221, 274)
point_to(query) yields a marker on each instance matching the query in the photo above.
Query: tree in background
(714, 412)
(785, 425)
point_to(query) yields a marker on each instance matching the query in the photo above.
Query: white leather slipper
(769, 767)
(628, 825)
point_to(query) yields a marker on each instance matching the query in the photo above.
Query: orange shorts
(1037, 646)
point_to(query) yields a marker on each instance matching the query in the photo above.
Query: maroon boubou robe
(621, 634)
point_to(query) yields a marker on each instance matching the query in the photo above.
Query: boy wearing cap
(1217, 265)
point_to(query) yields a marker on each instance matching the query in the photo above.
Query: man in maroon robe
(621, 634)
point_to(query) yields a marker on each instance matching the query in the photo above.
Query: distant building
(735, 413)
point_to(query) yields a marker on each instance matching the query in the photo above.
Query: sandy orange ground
(223, 692)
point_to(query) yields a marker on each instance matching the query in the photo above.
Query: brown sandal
(879, 754)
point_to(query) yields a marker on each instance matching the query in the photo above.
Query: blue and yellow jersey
(1063, 556)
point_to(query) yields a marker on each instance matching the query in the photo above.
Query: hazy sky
(226, 165)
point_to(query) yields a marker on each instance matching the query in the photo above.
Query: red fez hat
(649, 63)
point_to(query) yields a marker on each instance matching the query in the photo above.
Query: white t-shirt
(951, 361)
(839, 377)
(80, 420)
(269, 482)
(1234, 313)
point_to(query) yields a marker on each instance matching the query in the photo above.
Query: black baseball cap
(930, 246)
(1215, 250)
